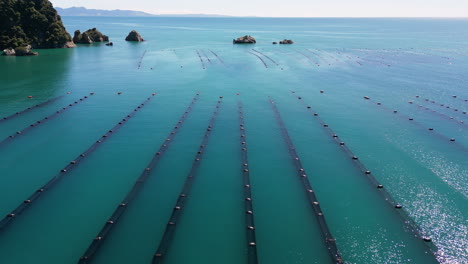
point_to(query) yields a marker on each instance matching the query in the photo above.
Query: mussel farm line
(141, 59)
(313, 201)
(37, 123)
(206, 56)
(308, 57)
(30, 108)
(113, 220)
(410, 119)
(444, 105)
(409, 223)
(65, 171)
(264, 63)
(168, 236)
(266, 57)
(201, 60)
(216, 55)
(252, 257)
(451, 118)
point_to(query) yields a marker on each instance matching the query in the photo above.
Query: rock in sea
(134, 36)
(20, 51)
(244, 40)
(89, 36)
(286, 41)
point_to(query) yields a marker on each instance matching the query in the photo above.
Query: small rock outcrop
(244, 40)
(286, 41)
(20, 51)
(134, 36)
(89, 36)
(110, 44)
(274, 42)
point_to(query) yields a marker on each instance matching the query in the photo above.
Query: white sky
(286, 8)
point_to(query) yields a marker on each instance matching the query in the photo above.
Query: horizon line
(256, 16)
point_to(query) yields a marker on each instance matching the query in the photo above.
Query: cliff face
(33, 22)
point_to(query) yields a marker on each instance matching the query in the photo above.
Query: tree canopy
(33, 22)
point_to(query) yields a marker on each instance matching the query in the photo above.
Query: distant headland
(82, 11)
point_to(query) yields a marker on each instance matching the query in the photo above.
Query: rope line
(206, 56)
(216, 55)
(440, 114)
(274, 62)
(39, 122)
(64, 172)
(252, 257)
(30, 108)
(308, 57)
(264, 63)
(444, 105)
(412, 121)
(138, 185)
(181, 201)
(313, 201)
(201, 60)
(141, 59)
(409, 223)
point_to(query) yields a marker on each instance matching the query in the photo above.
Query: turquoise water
(389, 60)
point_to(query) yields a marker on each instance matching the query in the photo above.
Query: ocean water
(416, 67)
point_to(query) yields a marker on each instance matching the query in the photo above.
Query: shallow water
(390, 60)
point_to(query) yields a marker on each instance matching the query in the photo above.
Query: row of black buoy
(39, 122)
(266, 57)
(30, 108)
(439, 114)
(264, 63)
(206, 56)
(65, 171)
(141, 59)
(216, 55)
(248, 204)
(419, 124)
(308, 57)
(444, 105)
(201, 60)
(178, 208)
(113, 220)
(386, 196)
(313, 201)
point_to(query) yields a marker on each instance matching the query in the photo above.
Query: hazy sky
(286, 8)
